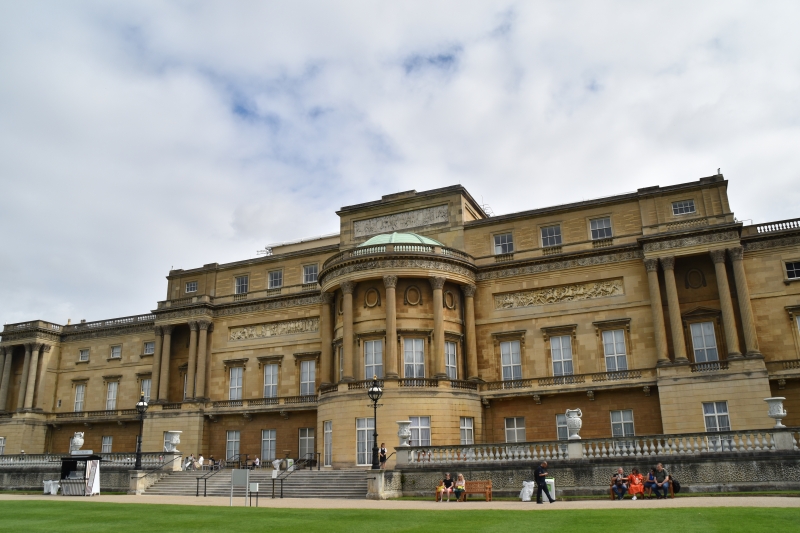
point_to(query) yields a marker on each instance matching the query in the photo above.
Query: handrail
(307, 460)
(205, 477)
(160, 468)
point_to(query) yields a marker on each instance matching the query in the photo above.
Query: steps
(338, 484)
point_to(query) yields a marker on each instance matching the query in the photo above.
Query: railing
(114, 322)
(170, 406)
(240, 297)
(510, 384)
(532, 452)
(456, 253)
(310, 286)
(33, 324)
(780, 225)
(228, 403)
(398, 249)
(790, 364)
(51, 459)
(364, 384)
(572, 379)
(215, 469)
(503, 258)
(463, 385)
(418, 382)
(603, 243)
(300, 399)
(562, 380)
(329, 388)
(711, 366)
(99, 414)
(552, 250)
(263, 401)
(310, 459)
(616, 376)
(273, 292)
(369, 250)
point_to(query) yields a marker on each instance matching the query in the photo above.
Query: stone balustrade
(487, 453)
(114, 413)
(14, 462)
(780, 225)
(33, 324)
(646, 374)
(399, 249)
(112, 323)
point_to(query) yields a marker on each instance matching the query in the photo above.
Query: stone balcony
(589, 383)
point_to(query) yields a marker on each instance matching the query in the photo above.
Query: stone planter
(404, 432)
(776, 410)
(574, 423)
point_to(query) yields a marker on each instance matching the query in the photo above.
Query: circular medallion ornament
(413, 295)
(695, 279)
(449, 300)
(372, 298)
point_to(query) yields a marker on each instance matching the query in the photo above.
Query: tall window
(146, 385)
(373, 359)
(704, 342)
(241, 285)
(622, 423)
(116, 352)
(515, 429)
(561, 348)
(716, 416)
(414, 358)
(420, 431)
(107, 444)
(80, 392)
(683, 207)
(111, 395)
(307, 377)
(185, 385)
(275, 279)
(614, 348)
(364, 430)
(510, 360)
(467, 427)
(327, 442)
(450, 360)
(793, 270)
(306, 442)
(310, 274)
(232, 445)
(503, 244)
(191, 286)
(551, 236)
(601, 228)
(235, 387)
(561, 427)
(149, 348)
(271, 381)
(341, 363)
(83, 355)
(268, 444)
(2, 445)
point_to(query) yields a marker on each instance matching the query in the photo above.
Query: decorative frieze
(398, 221)
(694, 240)
(564, 293)
(268, 306)
(550, 266)
(274, 329)
(771, 243)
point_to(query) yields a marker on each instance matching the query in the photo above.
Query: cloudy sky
(138, 136)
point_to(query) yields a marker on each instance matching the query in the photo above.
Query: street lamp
(375, 393)
(141, 408)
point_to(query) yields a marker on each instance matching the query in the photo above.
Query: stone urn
(171, 441)
(404, 431)
(77, 442)
(574, 423)
(776, 410)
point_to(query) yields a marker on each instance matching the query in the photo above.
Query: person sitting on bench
(448, 487)
(662, 481)
(619, 483)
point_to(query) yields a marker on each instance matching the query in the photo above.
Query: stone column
(4, 383)
(205, 327)
(675, 322)
(156, 374)
(438, 327)
(348, 287)
(390, 350)
(191, 369)
(656, 307)
(2, 367)
(326, 338)
(163, 385)
(469, 330)
(745, 309)
(728, 320)
(23, 382)
(30, 389)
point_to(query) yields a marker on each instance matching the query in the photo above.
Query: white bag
(527, 491)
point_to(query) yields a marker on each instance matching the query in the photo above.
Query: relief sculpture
(274, 329)
(563, 293)
(399, 221)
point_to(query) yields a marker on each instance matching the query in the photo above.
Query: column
(656, 307)
(191, 369)
(390, 350)
(204, 326)
(438, 327)
(163, 385)
(326, 338)
(728, 320)
(745, 309)
(675, 321)
(33, 369)
(23, 382)
(9, 350)
(2, 368)
(469, 331)
(348, 287)
(156, 374)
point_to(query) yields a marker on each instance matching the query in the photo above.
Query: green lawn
(87, 517)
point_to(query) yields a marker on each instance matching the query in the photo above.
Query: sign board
(240, 477)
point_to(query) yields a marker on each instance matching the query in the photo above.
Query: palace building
(653, 312)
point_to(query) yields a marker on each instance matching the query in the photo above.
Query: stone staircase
(349, 484)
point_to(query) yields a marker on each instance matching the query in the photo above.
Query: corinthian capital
(668, 263)
(651, 265)
(390, 282)
(437, 282)
(348, 287)
(327, 298)
(718, 256)
(193, 325)
(167, 329)
(736, 253)
(468, 290)
(203, 324)
(157, 330)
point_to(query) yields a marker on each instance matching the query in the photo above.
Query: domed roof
(400, 238)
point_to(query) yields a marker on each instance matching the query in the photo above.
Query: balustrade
(396, 248)
(780, 225)
(418, 382)
(711, 366)
(54, 460)
(532, 452)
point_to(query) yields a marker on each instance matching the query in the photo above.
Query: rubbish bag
(527, 491)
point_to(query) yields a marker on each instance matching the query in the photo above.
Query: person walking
(540, 475)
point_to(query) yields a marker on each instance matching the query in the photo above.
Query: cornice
(436, 263)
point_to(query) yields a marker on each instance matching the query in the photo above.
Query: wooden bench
(471, 487)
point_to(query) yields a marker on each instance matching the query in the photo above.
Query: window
(327, 443)
(515, 429)
(83, 355)
(510, 360)
(622, 423)
(149, 348)
(467, 430)
(232, 445)
(601, 228)
(116, 352)
(551, 236)
(306, 442)
(561, 427)
(310, 274)
(275, 279)
(2, 445)
(80, 392)
(241, 285)
(191, 286)
(683, 207)
(107, 443)
(614, 348)
(111, 395)
(365, 427)
(414, 358)
(185, 385)
(146, 385)
(420, 431)
(307, 377)
(704, 342)
(341, 363)
(503, 244)
(716, 416)
(271, 381)
(235, 388)
(373, 359)
(561, 348)
(450, 360)
(268, 444)
(793, 270)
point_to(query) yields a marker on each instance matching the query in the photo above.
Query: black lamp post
(141, 408)
(375, 393)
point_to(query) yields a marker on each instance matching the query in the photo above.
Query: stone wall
(32, 478)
